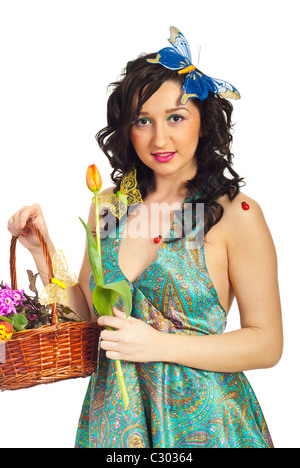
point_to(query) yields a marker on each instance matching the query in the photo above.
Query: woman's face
(166, 134)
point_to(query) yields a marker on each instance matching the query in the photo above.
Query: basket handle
(47, 257)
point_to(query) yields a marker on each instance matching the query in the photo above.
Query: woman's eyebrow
(168, 111)
(181, 108)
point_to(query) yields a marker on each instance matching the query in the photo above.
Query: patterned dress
(171, 406)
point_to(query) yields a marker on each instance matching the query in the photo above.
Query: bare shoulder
(245, 225)
(242, 209)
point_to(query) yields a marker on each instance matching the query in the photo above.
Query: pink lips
(163, 156)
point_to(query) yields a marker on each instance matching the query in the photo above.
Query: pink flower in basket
(9, 299)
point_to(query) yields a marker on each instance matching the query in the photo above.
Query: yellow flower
(93, 179)
(6, 331)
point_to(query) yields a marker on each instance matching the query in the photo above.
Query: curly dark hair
(214, 177)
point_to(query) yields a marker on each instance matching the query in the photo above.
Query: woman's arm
(253, 275)
(80, 297)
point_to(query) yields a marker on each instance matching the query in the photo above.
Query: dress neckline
(119, 230)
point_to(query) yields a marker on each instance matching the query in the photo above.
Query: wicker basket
(51, 353)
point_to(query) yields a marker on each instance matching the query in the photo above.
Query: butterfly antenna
(199, 53)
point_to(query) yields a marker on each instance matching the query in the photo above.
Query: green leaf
(19, 322)
(123, 290)
(94, 258)
(105, 296)
(103, 299)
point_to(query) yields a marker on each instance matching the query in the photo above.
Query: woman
(183, 374)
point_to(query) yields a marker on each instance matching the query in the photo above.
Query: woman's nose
(160, 136)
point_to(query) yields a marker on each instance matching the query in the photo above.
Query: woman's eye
(142, 122)
(175, 118)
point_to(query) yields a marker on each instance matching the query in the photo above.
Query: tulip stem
(122, 385)
(119, 371)
(97, 225)
(121, 380)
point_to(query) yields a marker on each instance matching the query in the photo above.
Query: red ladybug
(245, 206)
(157, 239)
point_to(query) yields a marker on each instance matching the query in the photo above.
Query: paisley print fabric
(171, 405)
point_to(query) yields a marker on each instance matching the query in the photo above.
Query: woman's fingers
(17, 222)
(109, 321)
(17, 226)
(30, 213)
(109, 336)
(118, 320)
(128, 339)
(119, 313)
(117, 333)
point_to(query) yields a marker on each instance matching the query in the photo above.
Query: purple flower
(9, 299)
(7, 305)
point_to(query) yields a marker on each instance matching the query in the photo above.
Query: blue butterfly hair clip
(196, 85)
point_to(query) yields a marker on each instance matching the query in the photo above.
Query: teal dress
(171, 405)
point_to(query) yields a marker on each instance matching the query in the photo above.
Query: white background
(57, 58)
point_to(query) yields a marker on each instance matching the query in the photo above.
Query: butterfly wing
(194, 87)
(63, 297)
(54, 293)
(170, 59)
(129, 190)
(122, 209)
(109, 201)
(112, 202)
(47, 294)
(221, 87)
(129, 181)
(134, 197)
(129, 193)
(198, 85)
(180, 44)
(176, 57)
(61, 271)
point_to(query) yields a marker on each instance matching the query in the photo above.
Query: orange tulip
(93, 179)
(6, 331)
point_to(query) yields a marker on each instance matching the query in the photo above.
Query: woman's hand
(131, 340)
(17, 226)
